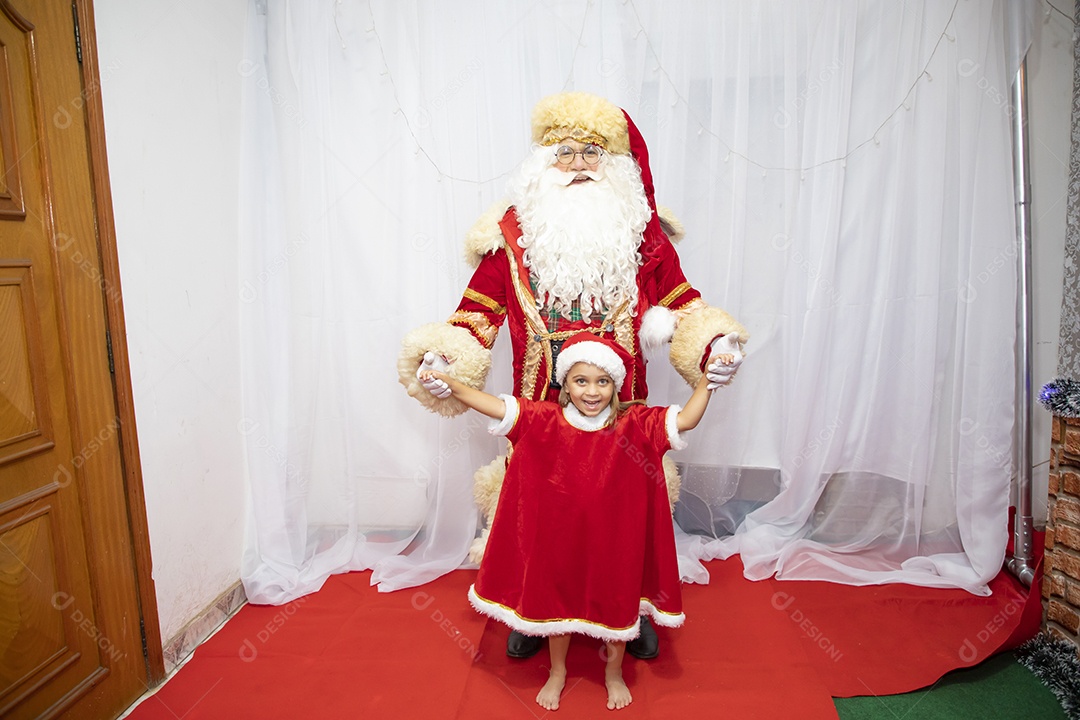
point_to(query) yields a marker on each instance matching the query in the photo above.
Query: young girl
(582, 540)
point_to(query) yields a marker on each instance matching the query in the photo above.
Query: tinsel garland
(1054, 661)
(1061, 397)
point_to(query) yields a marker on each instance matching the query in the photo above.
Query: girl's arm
(692, 412)
(478, 400)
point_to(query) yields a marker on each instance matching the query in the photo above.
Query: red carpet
(748, 649)
(891, 639)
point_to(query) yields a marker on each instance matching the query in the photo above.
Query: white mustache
(560, 177)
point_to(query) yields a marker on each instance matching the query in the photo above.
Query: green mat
(998, 689)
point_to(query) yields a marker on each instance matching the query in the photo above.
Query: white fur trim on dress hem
(664, 619)
(565, 626)
(671, 422)
(501, 427)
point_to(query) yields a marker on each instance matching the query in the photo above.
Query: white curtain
(844, 174)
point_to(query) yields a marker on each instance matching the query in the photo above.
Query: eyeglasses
(566, 154)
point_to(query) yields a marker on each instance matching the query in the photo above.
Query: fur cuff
(485, 237)
(469, 363)
(673, 481)
(657, 327)
(487, 483)
(479, 545)
(694, 333)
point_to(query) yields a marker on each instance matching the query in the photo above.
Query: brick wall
(1061, 576)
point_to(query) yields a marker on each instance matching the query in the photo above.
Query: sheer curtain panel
(844, 174)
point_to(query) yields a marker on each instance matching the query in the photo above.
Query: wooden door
(70, 552)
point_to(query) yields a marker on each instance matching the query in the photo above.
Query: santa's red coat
(500, 292)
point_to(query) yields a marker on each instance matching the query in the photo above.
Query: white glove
(436, 387)
(718, 373)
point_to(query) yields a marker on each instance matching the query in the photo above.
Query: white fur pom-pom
(657, 327)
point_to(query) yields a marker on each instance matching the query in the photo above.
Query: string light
(905, 104)
(702, 128)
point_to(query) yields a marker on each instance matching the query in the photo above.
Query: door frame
(114, 318)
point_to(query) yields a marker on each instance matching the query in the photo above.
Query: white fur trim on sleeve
(657, 327)
(501, 427)
(672, 424)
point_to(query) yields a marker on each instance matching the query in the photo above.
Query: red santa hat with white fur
(600, 352)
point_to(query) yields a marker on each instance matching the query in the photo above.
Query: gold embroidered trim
(688, 309)
(581, 135)
(624, 335)
(478, 323)
(670, 298)
(485, 301)
(534, 325)
(661, 612)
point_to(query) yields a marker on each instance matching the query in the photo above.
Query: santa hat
(605, 354)
(579, 116)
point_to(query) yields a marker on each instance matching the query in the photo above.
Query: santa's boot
(522, 646)
(645, 646)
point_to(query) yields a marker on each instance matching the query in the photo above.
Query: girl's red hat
(605, 354)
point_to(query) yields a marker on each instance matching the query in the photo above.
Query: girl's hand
(721, 373)
(720, 369)
(435, 382)
(438, 364)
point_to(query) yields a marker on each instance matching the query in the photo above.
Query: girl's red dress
(582, 539)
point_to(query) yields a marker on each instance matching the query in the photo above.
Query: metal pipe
(1020, 563)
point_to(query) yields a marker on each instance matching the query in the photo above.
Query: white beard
(581, 241)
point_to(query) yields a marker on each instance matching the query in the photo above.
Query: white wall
(171, 94)
(1050, 67)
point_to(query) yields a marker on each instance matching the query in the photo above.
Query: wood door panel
(70, 638)
(51, 642)
(45, 641)
(11, 204)
(25, 425)
(30, 581)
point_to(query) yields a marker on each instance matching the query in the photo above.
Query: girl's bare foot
(548, 697)
(618, 695)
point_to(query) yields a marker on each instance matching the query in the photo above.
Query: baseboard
(203, 626)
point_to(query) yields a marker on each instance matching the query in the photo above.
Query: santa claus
(578, 245)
